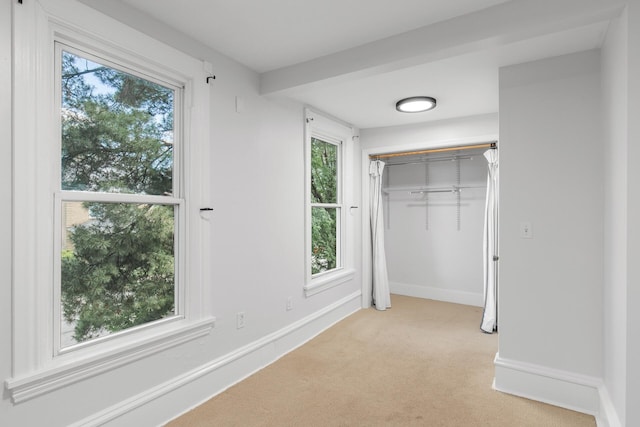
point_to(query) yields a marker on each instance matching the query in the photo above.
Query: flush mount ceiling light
(416, 104)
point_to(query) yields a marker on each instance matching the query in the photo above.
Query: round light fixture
(416, 104)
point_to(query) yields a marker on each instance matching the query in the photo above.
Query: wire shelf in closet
(425, 190)
(429, 158)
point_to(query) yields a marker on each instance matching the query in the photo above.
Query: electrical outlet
(240, 320)
(289, 303)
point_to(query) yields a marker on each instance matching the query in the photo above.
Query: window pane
(324, 172)
(324, 228)
(117, 130)
(117, 267)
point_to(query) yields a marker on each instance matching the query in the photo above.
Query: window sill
(44, 381)
(323, 283)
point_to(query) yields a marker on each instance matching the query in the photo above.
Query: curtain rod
(433, 150)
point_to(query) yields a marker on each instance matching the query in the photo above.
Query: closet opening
(433, 234)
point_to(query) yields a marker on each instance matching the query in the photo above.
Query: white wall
(427, 255)
(257, 262)
(551, 174)
(5, 195)
(258, 181)
(614, 91)
(633, 213)
(431, 134)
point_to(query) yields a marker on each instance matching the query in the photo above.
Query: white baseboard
(608, 416)
(439, 294)
(555, 387)
(177, 396)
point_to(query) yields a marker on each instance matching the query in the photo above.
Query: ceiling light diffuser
(416, 104)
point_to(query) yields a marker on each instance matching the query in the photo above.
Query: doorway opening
(439, 227)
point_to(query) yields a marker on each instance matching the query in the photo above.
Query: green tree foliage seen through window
(117, 137)
(324, 212)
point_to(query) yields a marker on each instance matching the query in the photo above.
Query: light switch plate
(526, 231)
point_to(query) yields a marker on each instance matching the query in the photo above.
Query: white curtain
(381, 293)
(490, 251)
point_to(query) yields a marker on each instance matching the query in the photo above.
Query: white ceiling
(464, 85)
(325, 53)
(269, 34)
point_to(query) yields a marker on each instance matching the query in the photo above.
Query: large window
(118, 146)
(328, 148)
(110, 152)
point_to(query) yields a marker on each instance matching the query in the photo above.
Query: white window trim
(61, 196)
(36, 370)
(323, 127)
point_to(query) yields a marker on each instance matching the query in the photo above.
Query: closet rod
(439, 159)
(433, 150)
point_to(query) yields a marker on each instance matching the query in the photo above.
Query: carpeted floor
(421, 363)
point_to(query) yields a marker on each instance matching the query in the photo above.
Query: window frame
(61, 196)
(338, 205)
(37, 366)
(323, 127)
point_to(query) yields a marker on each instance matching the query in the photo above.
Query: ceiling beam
(498, 25)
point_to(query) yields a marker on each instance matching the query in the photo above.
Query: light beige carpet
(421, 363)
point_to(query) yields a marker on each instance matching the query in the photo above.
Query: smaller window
(326, 206)
(328, 145)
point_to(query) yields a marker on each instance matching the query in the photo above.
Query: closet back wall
(434, 245)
